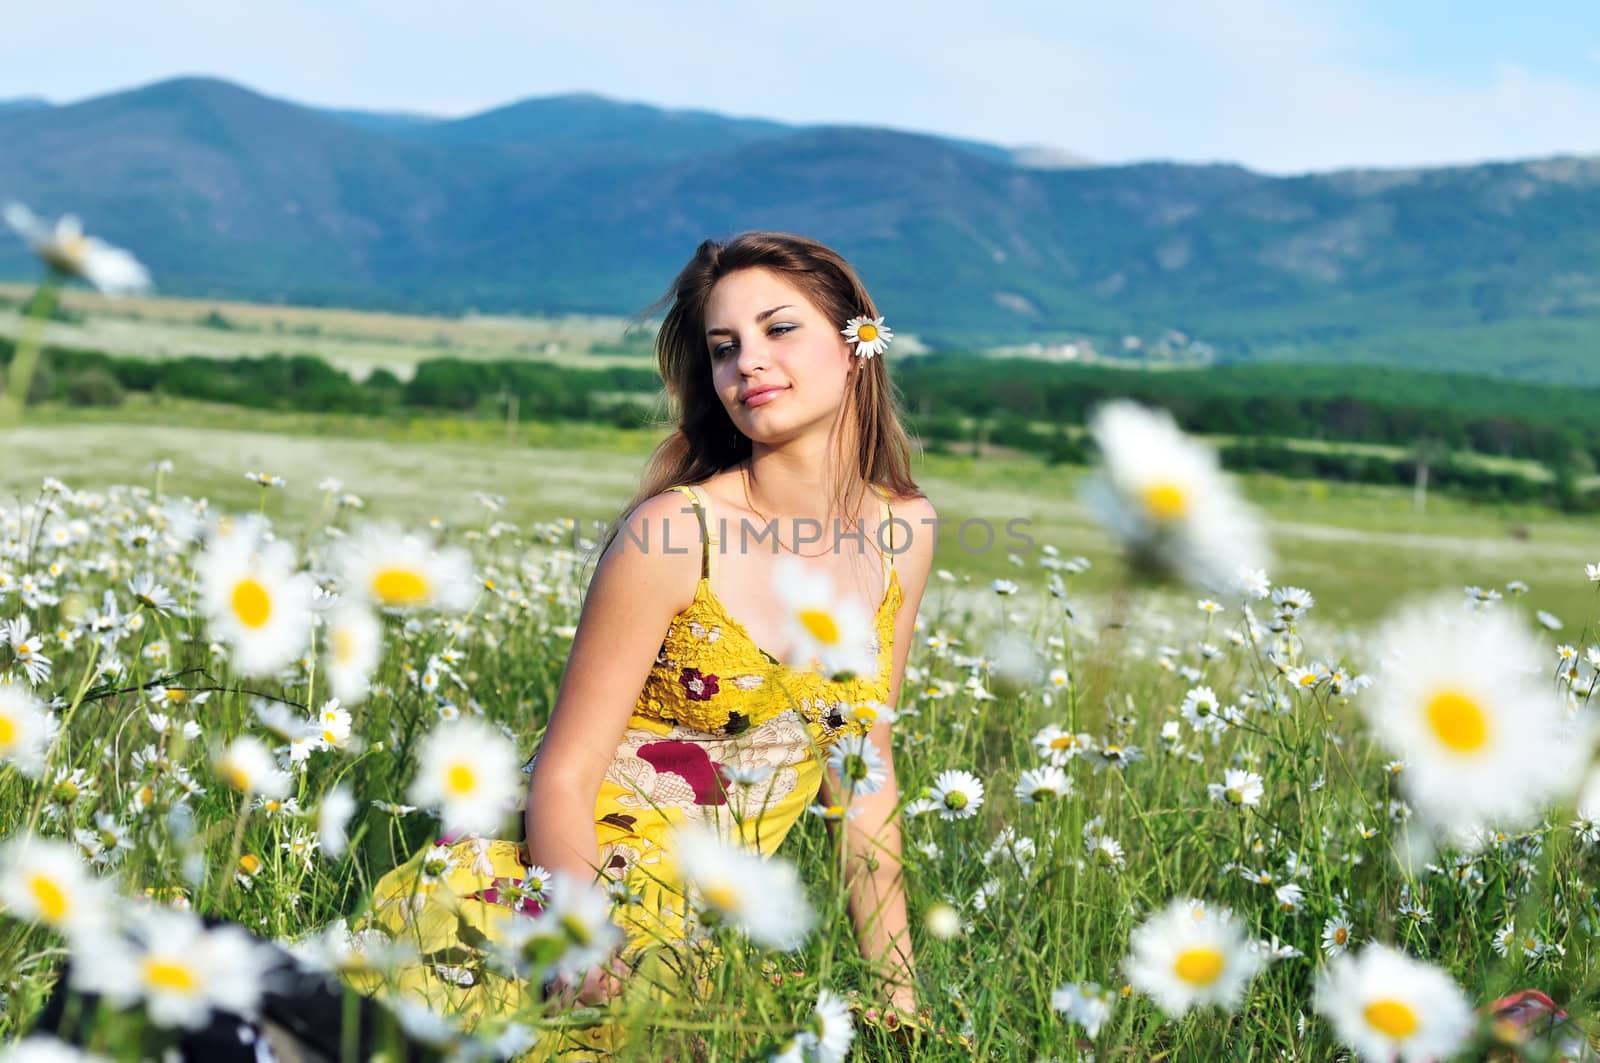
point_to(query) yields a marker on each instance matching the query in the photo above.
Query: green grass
(1063, 918)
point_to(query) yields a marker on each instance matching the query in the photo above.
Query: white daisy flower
(1087, 1005)
(1191, 954)
(399, 570)
(256, 602)
(858, 764)
(177, 967)
(832, 1028)
(333, 819)
(833, 635)
(1482, 737)
(63, 247)
(870, 335)
(1038, 785)
(1337, 935)
(1384, 1004)
(46, 881)
(469, 771)
(957, 794)
(41, 1048)
(1241, 789)
(762, 896)
(1167, 499)
(26, 729)
(354, 641)
(249, 767)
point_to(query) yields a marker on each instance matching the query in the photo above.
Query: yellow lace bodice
(711, 676)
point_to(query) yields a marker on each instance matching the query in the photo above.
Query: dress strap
(705, 528)
(886, 517)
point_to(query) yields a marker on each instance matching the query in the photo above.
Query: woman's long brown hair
(871, 444)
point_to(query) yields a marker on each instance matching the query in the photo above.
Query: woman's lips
(761, 398)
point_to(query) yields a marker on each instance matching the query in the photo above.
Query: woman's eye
(779, 330)
(721, 349)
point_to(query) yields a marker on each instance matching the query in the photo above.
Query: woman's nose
(753, 356)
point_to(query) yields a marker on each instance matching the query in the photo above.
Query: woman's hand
(602, 982)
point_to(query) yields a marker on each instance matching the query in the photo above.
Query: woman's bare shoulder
(658, 544)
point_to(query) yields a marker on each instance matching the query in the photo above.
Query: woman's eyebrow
(759, 319)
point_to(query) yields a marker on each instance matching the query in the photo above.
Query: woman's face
(778, 363)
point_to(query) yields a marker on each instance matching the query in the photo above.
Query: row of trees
(952, 404)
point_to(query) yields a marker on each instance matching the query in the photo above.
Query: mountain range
(585, 204)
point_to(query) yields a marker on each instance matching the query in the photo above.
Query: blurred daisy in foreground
(398, 570)
(255, 601)
(826, 633)
(249, 767)
(1461, 698)
(469, 771)
(354, 643)
(42, 1048)
(827, 1036)
(1087, 1005)
(45, 881)
(64, 248)
(1168, 500)
(1190, 955)
(1384, 1004)
(26, 729)
(177, 967)
(761, 896)
(574, 925)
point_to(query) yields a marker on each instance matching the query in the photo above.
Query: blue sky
(1281, 87)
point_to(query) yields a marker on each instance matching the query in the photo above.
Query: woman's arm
(873, 843)
(637, 588)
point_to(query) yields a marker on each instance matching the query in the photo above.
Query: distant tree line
(956, 404)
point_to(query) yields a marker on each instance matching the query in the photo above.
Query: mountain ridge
(581, 203)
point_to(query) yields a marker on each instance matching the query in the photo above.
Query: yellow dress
(715, 709)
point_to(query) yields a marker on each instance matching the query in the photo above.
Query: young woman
(674, 707)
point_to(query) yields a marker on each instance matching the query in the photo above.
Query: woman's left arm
(877, 897)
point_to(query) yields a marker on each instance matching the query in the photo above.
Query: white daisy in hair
(870, 335)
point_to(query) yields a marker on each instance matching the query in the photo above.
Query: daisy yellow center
(461, 779)
(1391, 1017)
(251, 603)
(1458, 721)
(50, 897)
(343, 647)
(721, 896)
(867, 333)
(401, 586)
(1340, 936)
(8, 732)
(236, 777)
(1165, 501)
(170, 976)
(249, 863)
(1063, 742)
(177, 695)
(955, 800)
(820, 625)
(1198, 966)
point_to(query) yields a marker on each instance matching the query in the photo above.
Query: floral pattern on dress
(698, 685)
